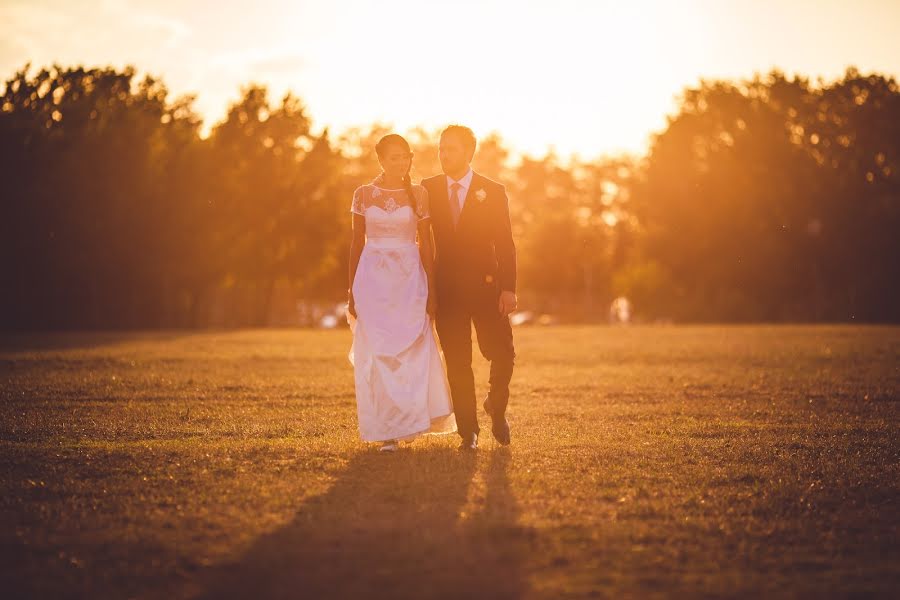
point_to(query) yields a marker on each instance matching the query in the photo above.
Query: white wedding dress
(401, 384)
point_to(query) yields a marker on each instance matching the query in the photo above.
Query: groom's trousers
(495, 340)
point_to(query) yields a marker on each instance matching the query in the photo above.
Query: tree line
(769, 199)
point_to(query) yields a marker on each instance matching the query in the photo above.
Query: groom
(475, 273)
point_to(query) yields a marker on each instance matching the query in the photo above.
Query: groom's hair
(464, 134)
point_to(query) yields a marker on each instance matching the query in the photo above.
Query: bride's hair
(381, 148)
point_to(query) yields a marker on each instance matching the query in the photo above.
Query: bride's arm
(357, 242)
(426, 251)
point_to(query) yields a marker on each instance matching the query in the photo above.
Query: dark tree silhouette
(772, 199)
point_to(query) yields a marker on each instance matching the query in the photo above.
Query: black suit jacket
(476, 259)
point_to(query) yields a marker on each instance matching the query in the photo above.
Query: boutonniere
(481, 195)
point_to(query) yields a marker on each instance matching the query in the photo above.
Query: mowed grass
(646, 462)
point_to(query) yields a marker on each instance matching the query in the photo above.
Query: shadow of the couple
(424, 523)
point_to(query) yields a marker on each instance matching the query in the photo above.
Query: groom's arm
(504, 245)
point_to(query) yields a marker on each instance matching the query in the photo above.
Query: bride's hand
(351, 306)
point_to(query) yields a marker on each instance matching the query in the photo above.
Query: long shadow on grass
(394, 526)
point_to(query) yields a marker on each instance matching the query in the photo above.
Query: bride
(401, 385)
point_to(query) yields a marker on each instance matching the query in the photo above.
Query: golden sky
(579, 76)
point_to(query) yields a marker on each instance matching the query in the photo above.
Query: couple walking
(400, 290)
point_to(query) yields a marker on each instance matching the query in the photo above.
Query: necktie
(454, 202)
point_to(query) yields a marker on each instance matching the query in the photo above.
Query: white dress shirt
(465, 181)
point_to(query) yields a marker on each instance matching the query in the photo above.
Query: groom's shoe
(469, 443)
(500, 426)
(500, 429)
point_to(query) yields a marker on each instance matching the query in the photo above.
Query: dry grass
(702, 461)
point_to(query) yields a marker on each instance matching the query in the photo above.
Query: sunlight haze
(579, 77)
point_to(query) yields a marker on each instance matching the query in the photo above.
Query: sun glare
(585, 77)
(574, 76)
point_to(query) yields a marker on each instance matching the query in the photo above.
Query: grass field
(646, 462)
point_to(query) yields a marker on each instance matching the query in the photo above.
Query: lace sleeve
(422, 208)
(358, 206)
